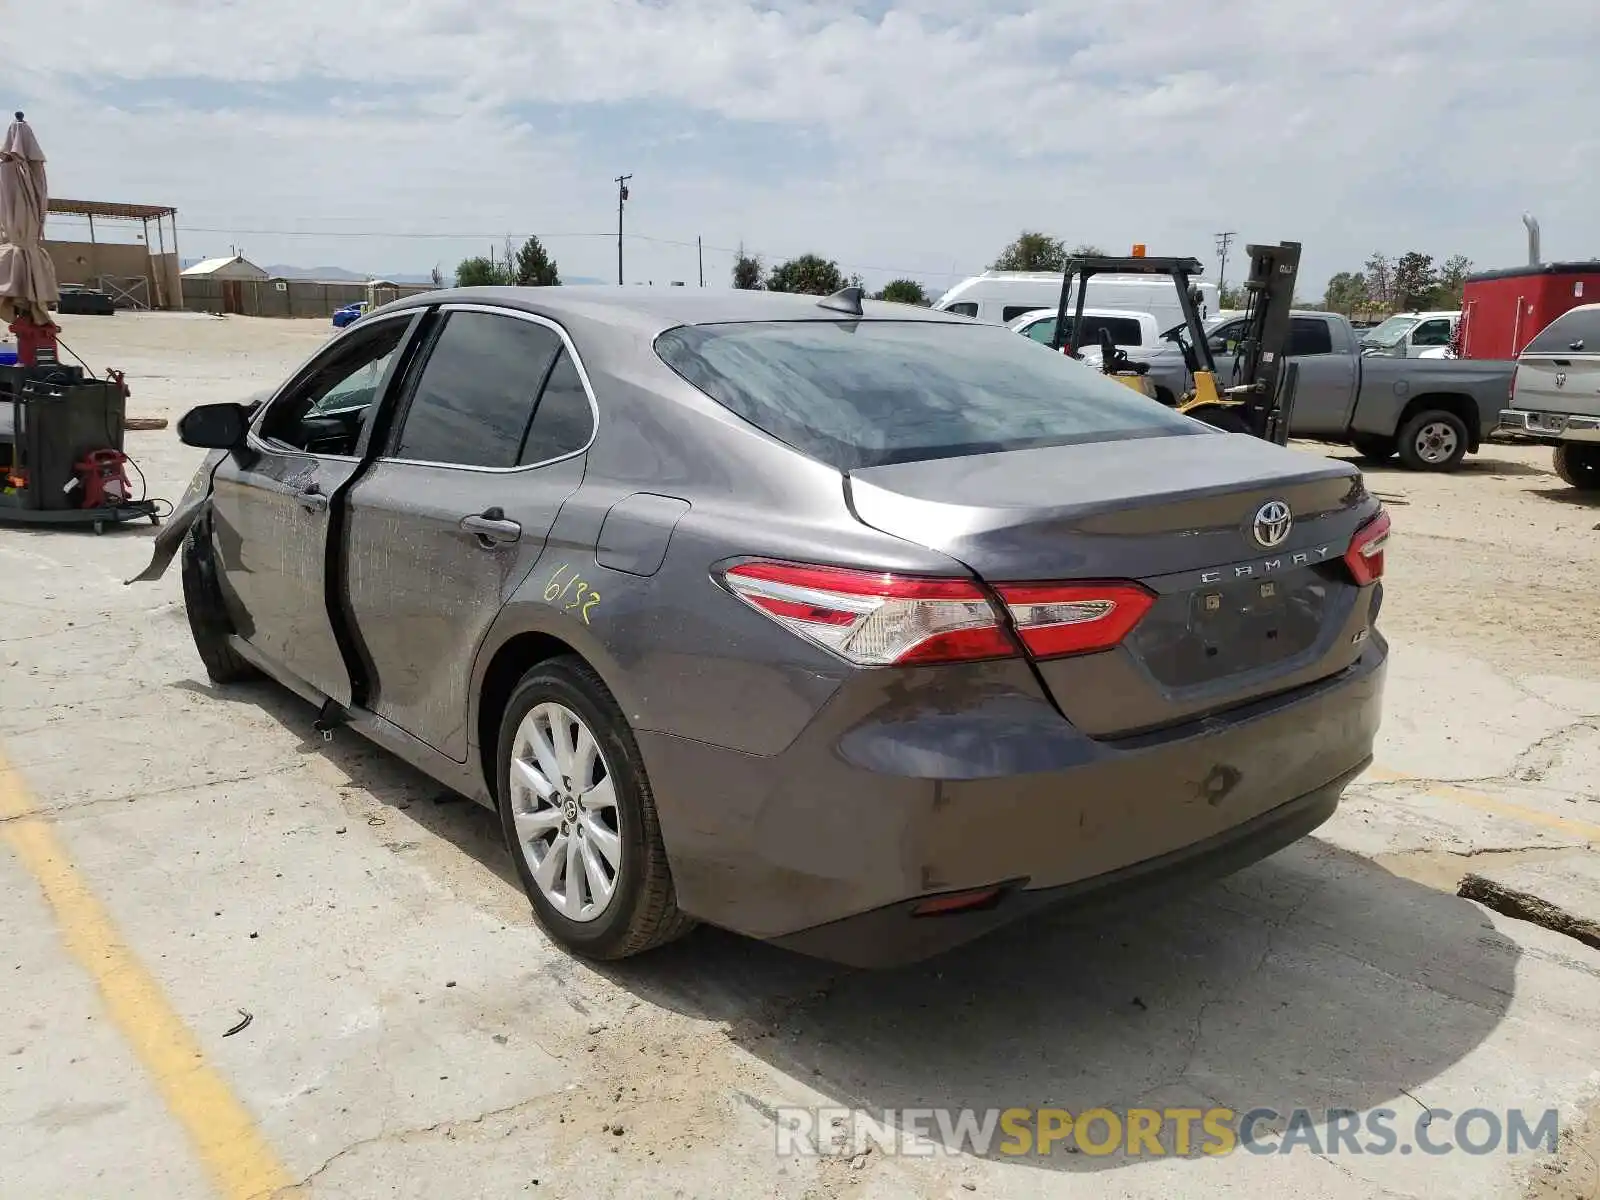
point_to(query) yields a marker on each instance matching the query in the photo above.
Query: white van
(1000, 297)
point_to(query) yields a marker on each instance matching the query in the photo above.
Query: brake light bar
(1365, 556)
(1058, 619)
(876, 618)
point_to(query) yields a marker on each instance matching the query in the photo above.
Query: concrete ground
(177, 856)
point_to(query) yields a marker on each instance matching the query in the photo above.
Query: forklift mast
(1261, 380)
(1180, 270)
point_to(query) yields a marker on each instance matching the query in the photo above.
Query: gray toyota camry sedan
(852, 626)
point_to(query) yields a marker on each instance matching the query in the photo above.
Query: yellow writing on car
(579, 597)
(1099, 1131)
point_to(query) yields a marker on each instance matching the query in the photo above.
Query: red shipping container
(1502, 311)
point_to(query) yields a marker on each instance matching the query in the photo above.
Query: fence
(285, 297)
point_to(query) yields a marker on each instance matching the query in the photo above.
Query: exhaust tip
(1532, 224)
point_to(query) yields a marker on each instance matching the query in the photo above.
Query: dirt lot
(177, 855)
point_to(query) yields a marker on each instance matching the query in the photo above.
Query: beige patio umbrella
(27, 276)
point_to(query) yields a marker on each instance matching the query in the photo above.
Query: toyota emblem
(1561, 379)
(1272, 524)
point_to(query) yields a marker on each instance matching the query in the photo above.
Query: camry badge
(1272, 524)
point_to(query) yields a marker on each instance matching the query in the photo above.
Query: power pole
(1224, 240)
(622, 194)
(700, 249)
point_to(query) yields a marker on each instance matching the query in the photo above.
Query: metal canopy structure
(128, 291)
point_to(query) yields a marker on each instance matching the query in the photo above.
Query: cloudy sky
(900, 137)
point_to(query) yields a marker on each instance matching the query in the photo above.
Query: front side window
(327, 411)
(965, 309)
(1012, 311)
(475, 399)
(1432, 333)
(865, 393)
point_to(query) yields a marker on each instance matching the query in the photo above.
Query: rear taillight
(1057, 619)
(1365, 556)
(875, 618)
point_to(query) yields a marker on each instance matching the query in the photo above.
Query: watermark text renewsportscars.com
(1152, 1132)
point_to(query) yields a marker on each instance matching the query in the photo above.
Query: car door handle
(312, 499)
(491, 528)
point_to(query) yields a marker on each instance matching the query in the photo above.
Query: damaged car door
(454, 511)
(272, 506)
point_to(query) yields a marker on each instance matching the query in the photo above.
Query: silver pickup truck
(1431, 412)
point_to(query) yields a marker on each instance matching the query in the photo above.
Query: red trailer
(1502, 311)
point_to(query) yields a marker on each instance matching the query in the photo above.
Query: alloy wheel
(564, 809)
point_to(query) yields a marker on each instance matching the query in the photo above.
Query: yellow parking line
(238, 1159)
(1489, 804)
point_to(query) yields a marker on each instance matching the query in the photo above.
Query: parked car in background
(1129, 330)
(1555, 395)
(1412, 335)
(1000, 297)
(348, 314)
(1430, 413)
(863, 631)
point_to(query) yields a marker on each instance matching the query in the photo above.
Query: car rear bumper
(893, 795)
(1549, 427)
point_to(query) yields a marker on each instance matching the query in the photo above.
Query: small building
(1502, 311)
(236, 267)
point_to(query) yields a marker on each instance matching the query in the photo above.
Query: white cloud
(943, 127)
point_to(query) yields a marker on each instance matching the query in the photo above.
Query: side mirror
(214, 426)
(1218, 345)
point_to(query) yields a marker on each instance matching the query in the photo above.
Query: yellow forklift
(1259, 397)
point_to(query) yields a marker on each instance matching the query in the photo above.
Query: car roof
(654, 310)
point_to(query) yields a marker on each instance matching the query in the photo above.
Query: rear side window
(475, 399)
(965, 309)
(1577, 325)
(1308, 335)
(865, 393)
(1012, 311)
(1125, 331)
(563, 420)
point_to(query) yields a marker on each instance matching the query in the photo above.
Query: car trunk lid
(1234, 618)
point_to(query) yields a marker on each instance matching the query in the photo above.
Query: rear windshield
(862, 394)
(1576, 331)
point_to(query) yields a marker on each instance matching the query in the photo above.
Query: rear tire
(1373, 447)
(1579, 466)
(1433, 440)
(601, 805)
(208, 620)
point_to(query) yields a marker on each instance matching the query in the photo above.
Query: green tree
(1414, 279)
(810, 274)
(479, 271)
(533, 267)
(1033, 251)
(1380, 282)
(904, 291)
(1346, 293)
(1452, 281)
(1229, 298)
(747, 271)
(436, 276)
(1088, 250)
